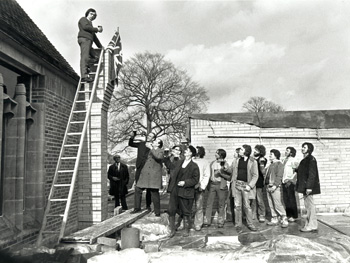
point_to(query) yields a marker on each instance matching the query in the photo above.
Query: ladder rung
(79, 111)
(51, 232)
(77, 122)
(74, 133)
(69, 158)
(84, 91)
(62, 185)
(65, 171)
(80, 101)
(71, 145)
(58, 200)
(51, 215)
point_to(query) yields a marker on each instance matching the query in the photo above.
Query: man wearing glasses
(87, 35)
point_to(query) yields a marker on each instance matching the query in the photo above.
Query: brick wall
(331, 151)
(56, 96)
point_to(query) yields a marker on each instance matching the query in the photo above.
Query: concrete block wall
(331, 151)
(93, 192)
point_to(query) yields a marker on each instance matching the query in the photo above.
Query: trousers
(275, 203)
(311, 219)
(214, 190)
(85, 53)
(154, 196)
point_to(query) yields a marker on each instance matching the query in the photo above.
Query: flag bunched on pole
(115, 45)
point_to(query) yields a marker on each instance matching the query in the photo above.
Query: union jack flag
(115, 45)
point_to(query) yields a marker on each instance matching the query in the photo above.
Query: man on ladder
(87, 35)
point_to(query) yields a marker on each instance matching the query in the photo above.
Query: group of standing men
(243, 181)
(240, 184)
(251, 174)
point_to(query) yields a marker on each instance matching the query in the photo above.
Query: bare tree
(260, 104)
(153, 95)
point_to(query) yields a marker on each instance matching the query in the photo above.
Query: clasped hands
(271, 188)
(181, 183)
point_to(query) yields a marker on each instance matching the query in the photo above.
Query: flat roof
(320, 119)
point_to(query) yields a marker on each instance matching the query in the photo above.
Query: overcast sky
(295, 53)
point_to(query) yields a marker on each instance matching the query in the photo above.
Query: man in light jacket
(288, 183)
(244, 177)
(151, 176)
(273, 181)
(220, 174)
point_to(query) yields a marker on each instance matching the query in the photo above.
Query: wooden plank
(105, 228)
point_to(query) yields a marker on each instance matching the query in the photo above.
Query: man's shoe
(239, 229)
(273, 222)
(87, 80)
(157, 215)
(284, 222)
(306, 229)
(148, 208)
(252, 228)
(136, 210)
(262, 219)
(93, 60)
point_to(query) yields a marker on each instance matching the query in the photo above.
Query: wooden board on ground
(105, 228)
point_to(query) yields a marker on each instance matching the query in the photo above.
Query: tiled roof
(323, 119)
(15, 23)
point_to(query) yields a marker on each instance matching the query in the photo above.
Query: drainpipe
(1, 120)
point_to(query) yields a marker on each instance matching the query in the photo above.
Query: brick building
(329, 131)
(37, 89)
(35, 104)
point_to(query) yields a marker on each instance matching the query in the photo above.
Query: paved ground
(328, 224)
(337, 221)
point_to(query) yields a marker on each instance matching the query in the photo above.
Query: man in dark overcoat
(171, 162)
(142, 154)
(186, 175)
(118, 175)
(308, 183)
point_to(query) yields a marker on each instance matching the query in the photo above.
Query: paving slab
(337, 221)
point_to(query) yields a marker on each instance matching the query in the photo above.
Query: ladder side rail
(48, 205)
(66, 133)
(76, 166)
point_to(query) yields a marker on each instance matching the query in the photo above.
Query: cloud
(295, 53)
(226, 68)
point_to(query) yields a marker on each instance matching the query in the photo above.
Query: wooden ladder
(63, 183)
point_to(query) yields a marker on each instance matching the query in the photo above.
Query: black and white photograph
(166, 131)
